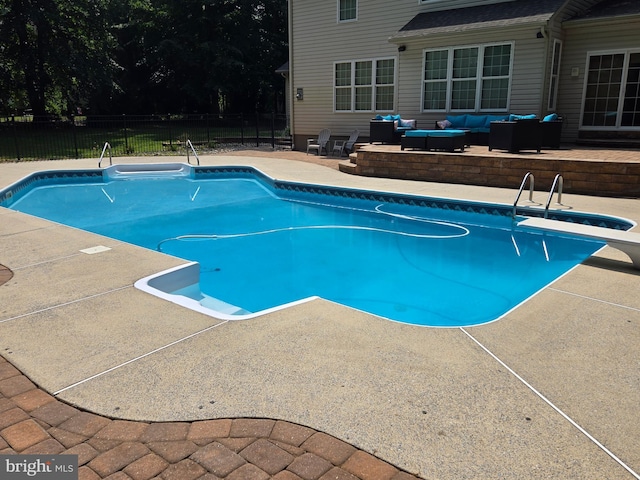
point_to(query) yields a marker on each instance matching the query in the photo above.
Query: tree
(56, 52)
(141, 56)
(211, 57)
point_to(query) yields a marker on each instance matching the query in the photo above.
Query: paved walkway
(34, 422)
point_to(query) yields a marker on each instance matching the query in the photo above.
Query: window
(469, 78)
(612, 90)
(347, 10)
(555, 70)
(364, 85)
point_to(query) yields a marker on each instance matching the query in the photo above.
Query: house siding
(435, 5)
(319, 41)
(584, 38)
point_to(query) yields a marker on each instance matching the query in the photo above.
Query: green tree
(202, 57)
(55, 52)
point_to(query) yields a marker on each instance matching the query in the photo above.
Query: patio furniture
(448, 140)
(551, 131)
(476, 126)
(341, 146)
(516, 135)
(321, 143)
(389, 129)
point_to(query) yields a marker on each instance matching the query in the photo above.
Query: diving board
(625, 241)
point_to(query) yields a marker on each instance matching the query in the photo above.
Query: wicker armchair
(516, 135)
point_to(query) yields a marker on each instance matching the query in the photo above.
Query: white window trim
(478, 77)
(625, 69)
(338, 12)
(373, 84)
(552, 103)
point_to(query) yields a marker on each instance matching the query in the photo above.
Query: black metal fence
(25, 138)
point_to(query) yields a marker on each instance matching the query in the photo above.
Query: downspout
(291, 75)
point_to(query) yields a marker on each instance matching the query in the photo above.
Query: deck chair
(321, 143)
(340, 146)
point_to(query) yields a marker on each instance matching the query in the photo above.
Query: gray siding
(581, 39)
(319, 40)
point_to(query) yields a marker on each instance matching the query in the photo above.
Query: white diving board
(625, 241)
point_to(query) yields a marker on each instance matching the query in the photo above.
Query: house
(423, 59)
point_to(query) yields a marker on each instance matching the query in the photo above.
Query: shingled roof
(519, 12)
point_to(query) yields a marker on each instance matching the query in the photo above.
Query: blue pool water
(260, 245)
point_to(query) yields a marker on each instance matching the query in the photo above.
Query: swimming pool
(259, 243)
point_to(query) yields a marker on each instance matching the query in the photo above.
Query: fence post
(208, 132)
(15, 136)
(126, 136)
(242, 128)
(75, 139)
(257, 118)
(273, 129)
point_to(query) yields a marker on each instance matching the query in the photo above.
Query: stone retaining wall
(589, 177)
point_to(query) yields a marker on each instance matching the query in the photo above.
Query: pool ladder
(190, 147)
(557, 182)
(106, 147)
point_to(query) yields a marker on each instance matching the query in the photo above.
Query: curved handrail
(556, 181)
(531, 178)
(104, 149)
(190, 146)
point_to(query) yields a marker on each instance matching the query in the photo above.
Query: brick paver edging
(34, 422)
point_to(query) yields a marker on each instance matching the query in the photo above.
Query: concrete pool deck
(549, 391)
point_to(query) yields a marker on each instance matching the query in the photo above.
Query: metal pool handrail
(556, 181)
(190, 146)
(104, 149)
(531, 178)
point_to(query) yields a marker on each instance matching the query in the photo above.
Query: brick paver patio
(34, 422)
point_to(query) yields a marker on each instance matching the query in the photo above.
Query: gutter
(291, 75)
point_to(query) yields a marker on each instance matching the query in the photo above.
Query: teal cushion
(552, 117)
(457, 121)
(446, 133)
(434, 133)
(513, 118)
(475, 121)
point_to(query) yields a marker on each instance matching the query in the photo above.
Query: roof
(518, 12)
(609, 9)
(284, 68)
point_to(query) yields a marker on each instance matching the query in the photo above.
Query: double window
(364, 85)
(475, 78)
(612, 90)
(347, 10)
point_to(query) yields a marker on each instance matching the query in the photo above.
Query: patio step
(347, 166)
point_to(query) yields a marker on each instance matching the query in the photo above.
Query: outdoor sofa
(478, 127)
